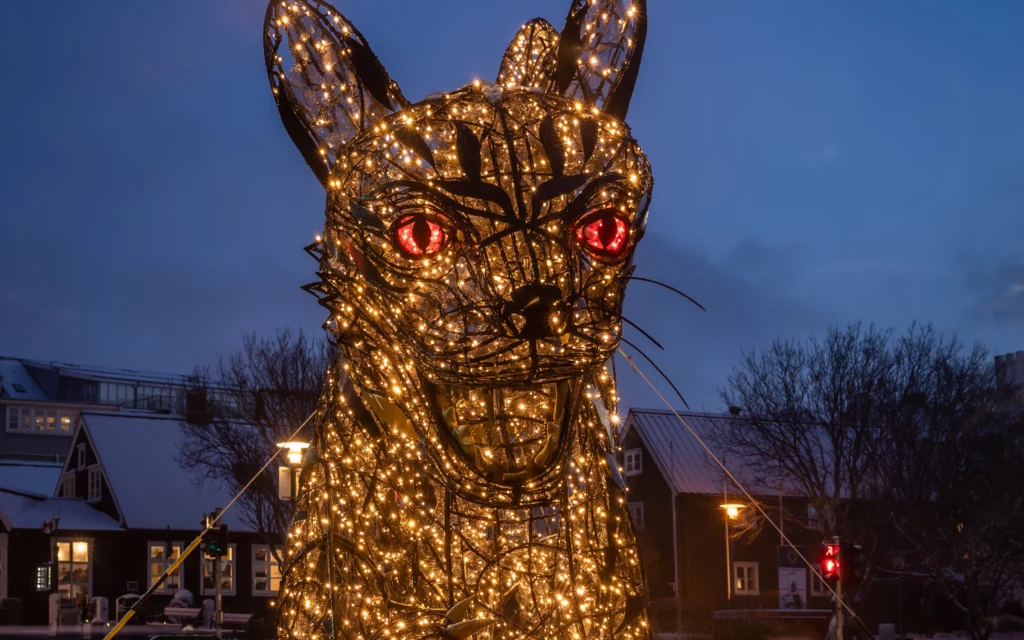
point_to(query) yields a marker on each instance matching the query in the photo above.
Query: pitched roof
(138, 452)
(16, 383)
(106, 373)
(32, 477)
(680, 457)
(24, 510)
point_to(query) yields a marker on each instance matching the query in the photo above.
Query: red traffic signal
(830, 562)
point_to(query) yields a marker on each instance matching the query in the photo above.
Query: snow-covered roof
(106, 373)
(138, 452)
(16, 383)
(24, 510)
(33, 477)
(682, 460)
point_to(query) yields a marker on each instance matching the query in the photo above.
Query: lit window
(633, 462)
(68, 483)
(636, 512)
(266, 571)
(94, 484)
(40, 419)
(73, 568)
(227, 573)
(160, 558)
(745, 579)
(817, 584)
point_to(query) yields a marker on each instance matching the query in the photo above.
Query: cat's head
(478, 242)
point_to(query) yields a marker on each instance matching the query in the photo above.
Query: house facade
(701, 557)
(40, 402)
(123, 508)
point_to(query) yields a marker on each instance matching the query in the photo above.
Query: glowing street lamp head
(732, 509)
(294, 451)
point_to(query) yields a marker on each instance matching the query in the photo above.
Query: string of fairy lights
(462, 480)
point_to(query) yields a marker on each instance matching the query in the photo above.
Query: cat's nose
(536, 311)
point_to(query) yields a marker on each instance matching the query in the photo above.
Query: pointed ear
(327, 83)
(531, 58)
(599, 52)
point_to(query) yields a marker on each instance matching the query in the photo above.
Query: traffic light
(217, 541)
(830, 561)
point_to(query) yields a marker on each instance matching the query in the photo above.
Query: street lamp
(288, 475)
(732, 511)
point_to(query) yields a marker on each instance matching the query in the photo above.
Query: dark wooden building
(699, 556)
(124, 509)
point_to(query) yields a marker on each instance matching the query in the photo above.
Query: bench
(191, 613)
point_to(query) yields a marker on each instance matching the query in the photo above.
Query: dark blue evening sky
(815, 163)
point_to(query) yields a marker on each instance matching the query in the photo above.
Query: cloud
(823, 155)
(998, 287)
(743, 313)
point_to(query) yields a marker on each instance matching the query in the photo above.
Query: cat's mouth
(509, 434)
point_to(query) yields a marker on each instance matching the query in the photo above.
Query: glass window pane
(63, 550)
(80, 552)
(26, 419)
(39, 420)
(156, 551)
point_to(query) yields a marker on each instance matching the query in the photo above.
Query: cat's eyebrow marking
(578, 205)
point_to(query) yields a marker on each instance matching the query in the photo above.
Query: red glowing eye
(605, 234)
(418, 236)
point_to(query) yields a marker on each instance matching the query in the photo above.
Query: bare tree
(809, 415)
(948, 502)
(238, 413)
(913, 433)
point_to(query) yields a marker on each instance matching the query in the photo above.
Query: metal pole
(728, 560)
(218, 609)
(839, 591)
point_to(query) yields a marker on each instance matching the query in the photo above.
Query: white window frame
(72, 564)
(230, 561)
(42, 412)
(747, 589)
(633, 461)
(95, 482)
(637, 509)
(67, 482)
(818, 589)
(267, 566)
(163, 563)
(813, 519)
(80, 453)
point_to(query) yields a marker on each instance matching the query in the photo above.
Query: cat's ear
(531, 58)
(599, 53)
(327, 82)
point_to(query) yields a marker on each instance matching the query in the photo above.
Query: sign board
(792, 579)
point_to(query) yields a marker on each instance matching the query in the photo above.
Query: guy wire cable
(198, 539)
(746, 493)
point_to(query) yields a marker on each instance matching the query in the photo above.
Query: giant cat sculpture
(462, 479)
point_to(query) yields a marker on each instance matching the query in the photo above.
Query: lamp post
(294, 452)
(732, 511)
